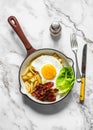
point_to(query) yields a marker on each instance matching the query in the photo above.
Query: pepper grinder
(55, 28)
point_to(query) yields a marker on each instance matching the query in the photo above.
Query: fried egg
(48, 67)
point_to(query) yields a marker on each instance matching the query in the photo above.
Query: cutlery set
(79, 78)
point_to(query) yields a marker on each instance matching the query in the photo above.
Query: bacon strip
(45, 92)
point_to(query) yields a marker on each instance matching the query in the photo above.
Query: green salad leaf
(65, 80)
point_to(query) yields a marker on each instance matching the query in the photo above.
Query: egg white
(42, 60)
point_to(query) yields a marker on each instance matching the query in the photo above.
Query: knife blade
(83, 78)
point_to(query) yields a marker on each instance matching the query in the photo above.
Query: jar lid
(55, 28)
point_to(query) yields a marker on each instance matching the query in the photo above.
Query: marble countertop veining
(17, 112)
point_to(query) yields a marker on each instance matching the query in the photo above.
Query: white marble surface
(35, 16)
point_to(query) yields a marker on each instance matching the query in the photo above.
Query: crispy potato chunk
(31, 78)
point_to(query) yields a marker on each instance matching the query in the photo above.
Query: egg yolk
(48, 71)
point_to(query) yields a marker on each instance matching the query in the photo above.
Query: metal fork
(74, 46)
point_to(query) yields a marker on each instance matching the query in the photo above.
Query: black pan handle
(17, 28)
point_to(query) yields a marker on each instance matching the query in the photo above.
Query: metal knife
(82, 87)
